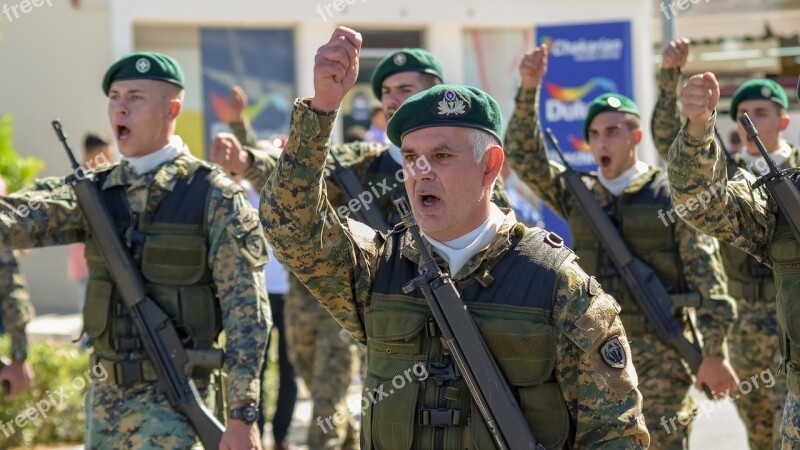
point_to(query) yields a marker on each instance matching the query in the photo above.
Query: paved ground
(718, 425)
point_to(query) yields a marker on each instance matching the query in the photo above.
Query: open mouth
(604, 162)
(429, 200)
(122, 132)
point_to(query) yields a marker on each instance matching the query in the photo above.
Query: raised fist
(336, 69)
(231, 109)
(533, 67)
(227, 152)
(675, 54)
(699, 97)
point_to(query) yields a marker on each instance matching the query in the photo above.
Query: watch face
(250, 415)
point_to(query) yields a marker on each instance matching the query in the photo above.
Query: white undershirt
(758, 165)
(146, 163)
(459, 250)
(617, 185)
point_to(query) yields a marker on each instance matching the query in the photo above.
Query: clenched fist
(675, 54)
(227, 151)
(699, 97)
(533, 67)
(231, 109)
(336, 69)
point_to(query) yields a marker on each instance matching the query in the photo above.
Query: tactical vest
(413, 394)
(636, 217)
(784, 253)
(169, 245)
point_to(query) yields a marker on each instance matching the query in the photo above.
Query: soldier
(736, 213)
(754, 341)
(632, 192)
(198, 244)
(554, 361)
(15, 313)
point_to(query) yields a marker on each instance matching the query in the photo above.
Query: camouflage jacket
(52, 217)
(740, 215)
(338, 260)
(16, 309)
(666, 120)
(702, 264)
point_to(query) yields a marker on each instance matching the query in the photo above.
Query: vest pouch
(546, 412)
(370, 383)
(653, 242)
(200, 312)
(394, 413)
(785, 256)
(393, 336)
(174, 259)
(524, 350)
(96, 307)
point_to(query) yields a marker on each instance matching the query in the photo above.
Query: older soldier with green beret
(755, 345)
(312, 334)
(634, 195)
(200, 249)
(739, 215)
(544, 320)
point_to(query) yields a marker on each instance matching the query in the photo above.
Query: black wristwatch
(247, 414)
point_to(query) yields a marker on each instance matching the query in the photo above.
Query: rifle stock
(156, 330)
(780, 186)
(648, 291)
(490, 391)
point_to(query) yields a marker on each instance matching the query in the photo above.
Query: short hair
(95, 142)
(480, 141)
(428, 80)
(632, 121)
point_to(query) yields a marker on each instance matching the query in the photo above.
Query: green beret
(608, 102)
(446, 106)
(758, 89)
(405, 60)
(144, 65)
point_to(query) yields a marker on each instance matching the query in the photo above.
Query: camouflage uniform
(15, 303)
(754, 343)
(665, 379)
(322, 359)
(137, 415)
(749, 220)
(338, 261)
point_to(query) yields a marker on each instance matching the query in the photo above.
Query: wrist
(323, 107)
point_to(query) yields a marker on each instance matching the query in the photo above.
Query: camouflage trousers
(137, 417)
(664, 382)
(324, 361)
(790, 427)
(754, 354)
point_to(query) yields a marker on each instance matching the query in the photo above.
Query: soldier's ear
(494, 163)
(784, 119)
(637, 136)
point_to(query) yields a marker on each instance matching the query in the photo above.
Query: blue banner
(585, 60)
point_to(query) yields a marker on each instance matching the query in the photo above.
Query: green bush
(57, 368)
(17, 171)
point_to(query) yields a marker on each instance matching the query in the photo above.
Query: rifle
(778, 183)
(351, 188)
(171, 361)
(648, 291)
(486, 383)
(729, 161)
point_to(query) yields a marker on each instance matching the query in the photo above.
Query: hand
(19, 376)
(675, 54)
(231, 109)
(336, 69)
(227, 151)
(718, 375)
(699, 97)
(533, 67)
(240, 436)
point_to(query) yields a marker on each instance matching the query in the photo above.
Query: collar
(146, 163)
(618, 184)
(757, 164)
(164, 177)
